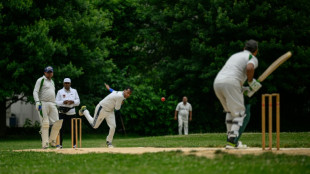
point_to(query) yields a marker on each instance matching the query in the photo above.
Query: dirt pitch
(199, 151)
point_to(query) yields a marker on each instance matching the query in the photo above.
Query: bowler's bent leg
(97, 119)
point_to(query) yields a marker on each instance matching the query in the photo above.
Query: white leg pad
(55, 131)
(44, 134)
(236, 124)
(228, 121)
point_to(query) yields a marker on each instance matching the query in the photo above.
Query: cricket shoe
(109, 145)
(230, 145)
(241, 146)
(53, 143)
(45, 146)
(58, 146)
(81, 111)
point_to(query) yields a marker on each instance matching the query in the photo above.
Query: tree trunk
(2, 118)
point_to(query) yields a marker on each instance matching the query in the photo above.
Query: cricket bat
(272, 68)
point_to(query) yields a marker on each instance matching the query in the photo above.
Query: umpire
(67, 98)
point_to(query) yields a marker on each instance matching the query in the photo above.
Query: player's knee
(113, 126)
(237, 114)
(238, 120)
(185, 124)
(57, 124)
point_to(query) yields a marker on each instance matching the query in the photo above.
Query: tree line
(162, 48)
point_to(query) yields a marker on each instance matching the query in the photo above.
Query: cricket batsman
(44, 96)
(228, 87)
(105, 110)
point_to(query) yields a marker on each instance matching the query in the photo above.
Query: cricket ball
(163, 99)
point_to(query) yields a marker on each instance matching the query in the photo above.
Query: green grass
(294, 139)
(164, 162)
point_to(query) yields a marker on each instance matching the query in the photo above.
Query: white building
(22, 111)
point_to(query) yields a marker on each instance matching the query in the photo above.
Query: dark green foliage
(161, 48)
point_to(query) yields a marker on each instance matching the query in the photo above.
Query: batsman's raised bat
(271, 68)
(274, 66)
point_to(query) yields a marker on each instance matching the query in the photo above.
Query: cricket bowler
(105, 110)
(228, 87)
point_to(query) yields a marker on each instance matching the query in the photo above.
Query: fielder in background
(182, 111)
(228, 87)
(105, 110)
(44, 96)
(66, 99)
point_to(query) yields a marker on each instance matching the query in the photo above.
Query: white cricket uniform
(49, 113)
(183, 112)
(228, 89)
(105, 110)
(71, 94)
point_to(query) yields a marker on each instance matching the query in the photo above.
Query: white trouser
(48, 115)
(99, 115)
(183, 119)
(229, 92)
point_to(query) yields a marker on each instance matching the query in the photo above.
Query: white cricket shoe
(241, 146)
(109, 145)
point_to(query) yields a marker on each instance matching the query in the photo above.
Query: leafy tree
(161, 48)
(69, 35)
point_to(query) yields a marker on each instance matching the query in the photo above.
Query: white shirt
(113, 101)
(70, 94)
(235, 66)
(184, 109)
(47, 91)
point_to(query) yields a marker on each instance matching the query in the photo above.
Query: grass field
(163, 162)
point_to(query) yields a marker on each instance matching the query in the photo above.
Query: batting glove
(38, 106)
(245, 89)
(255, 85)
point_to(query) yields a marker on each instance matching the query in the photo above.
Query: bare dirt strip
(199, 151)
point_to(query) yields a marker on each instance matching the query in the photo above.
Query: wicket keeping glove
(38, 106)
